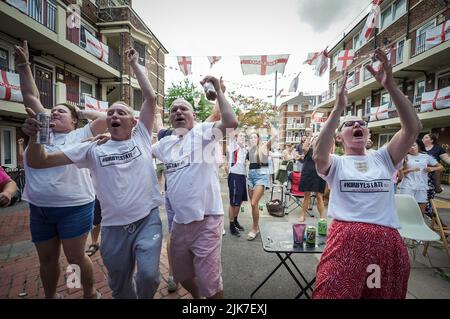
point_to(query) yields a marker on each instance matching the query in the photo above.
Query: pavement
(244, 263)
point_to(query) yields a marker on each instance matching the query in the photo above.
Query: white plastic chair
(413, 225)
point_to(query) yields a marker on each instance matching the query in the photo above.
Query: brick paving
(19, 273)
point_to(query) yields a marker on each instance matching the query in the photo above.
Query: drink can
(242, 209)
(43, 136)
(322, 227)
(311, 236)
(261, 206)
(210, 91)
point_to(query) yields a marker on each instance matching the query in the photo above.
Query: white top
(417, 180)
(362, 189)
(61, 186)
(237, 155)
(123, 175)
(191, 173)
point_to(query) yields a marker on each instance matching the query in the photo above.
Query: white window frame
(333, 60)
(389, 137)
(366, 103)
(395, 18)
(290, 108)
(426, 26)
(13, 146)
(10, 51)
(441, 73)
(357, 39)
(397, 51)
(390, 7)
(87, 81)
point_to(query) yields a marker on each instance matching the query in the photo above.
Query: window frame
(89, 82)
(13, 148)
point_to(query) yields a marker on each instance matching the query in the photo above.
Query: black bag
(275, 207)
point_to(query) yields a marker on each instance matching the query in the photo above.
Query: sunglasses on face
(352, 123)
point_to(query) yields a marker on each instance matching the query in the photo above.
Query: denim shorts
(170, 213)
(258, 177)
(63, 222)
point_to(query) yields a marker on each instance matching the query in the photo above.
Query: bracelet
(23, 64)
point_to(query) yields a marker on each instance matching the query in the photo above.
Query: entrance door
(44, 83)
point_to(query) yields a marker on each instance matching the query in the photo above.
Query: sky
(201, 28)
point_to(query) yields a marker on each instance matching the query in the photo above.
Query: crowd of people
(84, 179)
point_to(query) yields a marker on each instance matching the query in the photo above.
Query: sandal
(92, 250)
(252, 235)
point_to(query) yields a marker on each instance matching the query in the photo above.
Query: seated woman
(7, 188)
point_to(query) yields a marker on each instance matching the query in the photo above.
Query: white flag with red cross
(350, 81)
(437, 35)
(373, 21)
(213, 60)
(344, 59)
(379, 112)
(435, 100)
(185, 64)
(263, 64)
(22, 5)
(10, 87)
(97, 48)
(312, 58)
(94, 104)
(322, 63)
(318, 117)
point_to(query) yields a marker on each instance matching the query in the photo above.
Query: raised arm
(325, 140)
(98, 120)
(227, 117)
(215, 114)
(28, 87)
(20, 142)
(37, 157)
(410, 124)
(148, 106)
(158, 122)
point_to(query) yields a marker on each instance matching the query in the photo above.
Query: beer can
(260, 206)
(322, 227)
(242, 209)
(43, 136)
(311, 236)
(210, 91)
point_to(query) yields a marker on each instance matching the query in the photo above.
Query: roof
(300, 100)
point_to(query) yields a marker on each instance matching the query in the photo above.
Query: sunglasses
(352, 123)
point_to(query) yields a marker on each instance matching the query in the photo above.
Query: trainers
(171, 284)
(235, 231)
(223, 232)
(238, 226)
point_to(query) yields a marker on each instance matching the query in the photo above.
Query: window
(4, 59)
(357, 43)
(8, 146)
(85, 89)
(333, 89)
(399, 53)
(367, 74)
(368, 106)
(140, 48)
(290, 108)
(399, 8)
(421, 35)
(83, 35)
(137, 99)
(333, 60)
(386, 17)
(383, 139)
(419, 89)
(385, 99)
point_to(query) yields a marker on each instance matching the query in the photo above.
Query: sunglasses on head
(352, 123)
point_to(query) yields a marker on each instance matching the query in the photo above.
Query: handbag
(275, 207)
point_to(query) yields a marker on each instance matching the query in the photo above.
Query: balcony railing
(421, 43)
(43, 11)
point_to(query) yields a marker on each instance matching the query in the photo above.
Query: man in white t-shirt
(415, 171)
(126, 186)
(194, 193)
(237, 183)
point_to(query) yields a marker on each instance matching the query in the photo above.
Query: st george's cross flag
(435, 100)
(213, 60)
(97, 48)
(322, 63)
(10, 86)
(344, 59)
(437, 35)
(373, 21)
(312, 58)
(294, 84)
(94, 104)
(263, 64)
(185, 63)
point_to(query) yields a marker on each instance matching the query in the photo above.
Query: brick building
(58, 33)
(417, 67)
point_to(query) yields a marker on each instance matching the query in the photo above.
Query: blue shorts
(258, 177)
(63, 222)
(170, 213)
(238, 189)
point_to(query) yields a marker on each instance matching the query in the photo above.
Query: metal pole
(276, 73)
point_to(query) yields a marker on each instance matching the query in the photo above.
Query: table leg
(265, 280)
(283, 261)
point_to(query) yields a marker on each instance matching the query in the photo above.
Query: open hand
(342, 96)
(100, 139)
(384, 73)
(21, 53)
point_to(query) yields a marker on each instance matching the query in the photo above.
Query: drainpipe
(408, 7)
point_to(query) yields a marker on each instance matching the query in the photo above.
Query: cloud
(323, 14)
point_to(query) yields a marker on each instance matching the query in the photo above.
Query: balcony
(290, 139)
(296, 126)
(42, 11)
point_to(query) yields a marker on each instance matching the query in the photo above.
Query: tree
(252, 111)
(187, 91)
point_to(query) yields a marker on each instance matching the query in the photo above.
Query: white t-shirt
(191, 173)
(123, 175)
(362, 189)
(417, 180)
(61, 186)
(241, 153)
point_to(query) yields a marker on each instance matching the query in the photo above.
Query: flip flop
(92, 250)
(252, 235)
